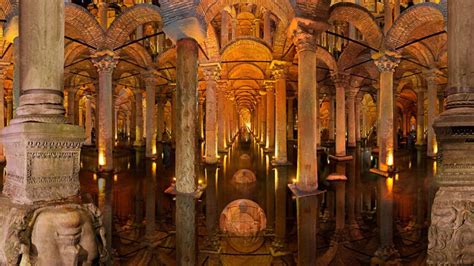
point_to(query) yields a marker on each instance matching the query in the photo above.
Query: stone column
(3, 72)
(221, 117)
(291, 118)
(386, 63)
(212, 215)
(388, 15)
(186, 150)
(432, 145)
(103, 8)
(279, 71)
(340, 82)
(263, 119)
(270, 136)
(332, 116)
(150, 83)
(267, 27)
(9, 114)
(451, 233)
(211, 74)
(440, 103)
(139, 118)
(420, 116)
(88, 124)
(351, 94)
(224, 28)
(71, 105)
(160, 117)
(358, 102)
(202, 135)
(281, 181)
(105, 61)
(174, 117)
(16, 75)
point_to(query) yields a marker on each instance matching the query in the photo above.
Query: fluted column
(139, 118)
(291, 118)
(88, 124)
(105, 61)
(150, 84)
(186, 150)
(270, 136)
(420, 116)
(279, 74)
(432, 145)
(351, 94)
(221, 117)
(211, 73)
(386, 63)
(451, 232)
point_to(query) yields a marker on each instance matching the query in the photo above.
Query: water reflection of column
(270, 194)
(105, 200)
(270, 135)
(221, 131)
(211, 208)
(338, 180)
(150, 208)
(281, 181)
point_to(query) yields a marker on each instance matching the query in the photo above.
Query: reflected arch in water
(244, 176)
(244, 222)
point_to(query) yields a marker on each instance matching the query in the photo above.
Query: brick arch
(422, 53)
(211, 43)
(81, 23)
(139, 54)
(410, 22)
(324, 56)
(249, 48)
(349, 56)
(281, 8)
(129, 20)
(360, 18)
(72, 51)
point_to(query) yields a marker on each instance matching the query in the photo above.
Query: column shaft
(280, 117)
(420, 117)
(88, 124)
(291, 119)
(351, 120)
(150, 149)
(270, 140)
(221, 117)
(211, 116)
(432, 145)
(340, 119)
(139, 118)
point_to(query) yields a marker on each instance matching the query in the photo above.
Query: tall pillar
(221, 130)
(291, 118)
(279, 71)
(225, 17)
(103, 8)
(3, 72)
(202, 135)
(186, 150)
(211, 74)
(332, 116)
(420, 116)
(351, 94)
(263, 119)
(388, 15)
(160, 117)
(71, 105)
(139, 118)
(43, 154)
(432, 145)
(358, 101)
(150, 83)
(451, 233)
(9, 114)
(88, 124)
(174, 117)
(270, 136)
(105, 61)
(340, 82)
(386, 63)
(267, 27)
(16, 75)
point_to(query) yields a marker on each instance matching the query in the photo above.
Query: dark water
(134, 196)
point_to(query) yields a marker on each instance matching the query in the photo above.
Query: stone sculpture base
(43, 161)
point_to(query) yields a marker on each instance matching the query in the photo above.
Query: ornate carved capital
(211, 71)
(105, 60)
(304, 40)
(386, 61)
(340, 80)
(269, 86)
(279, 69)
(151, 77)
(432, 74)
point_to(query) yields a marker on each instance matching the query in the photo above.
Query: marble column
(138, 118)
(105, 61)
(174, 117)
(211, 74)
(202, 135)
(279, 71)
(420, 116)
(3, 73)
(71, 105)
(270, 136)
(351, 136)
(332, 116)
(267, 27)
(451, 232)
(150, 83)
(225, 17)
(358, 102)
(16, 75)
(88, 123)
(103, 8)
(291, 118)
(186, 150)
(386, 63)
(432, 145)
(388, 15)
(340, 82)
(9, 114)
(263, 119)
(221, 117)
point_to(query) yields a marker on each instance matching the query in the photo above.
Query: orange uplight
(101, 158)
(389, 184)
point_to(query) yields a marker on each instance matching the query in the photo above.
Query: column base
(338, 158)
(211, 161)
(196, 194)
(44, 161)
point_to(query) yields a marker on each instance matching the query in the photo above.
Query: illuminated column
(386, 63)
(432, 145)
(71, 105)
(351, 94)
(150, 84)
(9, 114)
(263, 119)
(105, 61)
(291, 118)
(221, 117)
(3, 72)
(332, 116)
(202, 99)
(420, 116)
(358, 102)
(340, 82)
(88, 124)
(224, 28)
(173, 116)
(279, 72)
(160, 117)
(139, 118)
(211, 74)
(270, 140)
(267, 27)
(451, 232)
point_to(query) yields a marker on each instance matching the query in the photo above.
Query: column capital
(279, 69)
(352, 93)
(432, 74)
(3, 69)
(150, 77)
(211, 71)
(105, 60)
(304, 40)
(386, 61)
(269, 86)
(340, 79)
(222, 85)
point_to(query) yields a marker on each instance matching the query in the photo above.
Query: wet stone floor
(247, 215)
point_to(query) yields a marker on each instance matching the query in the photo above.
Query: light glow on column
(102, 160)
